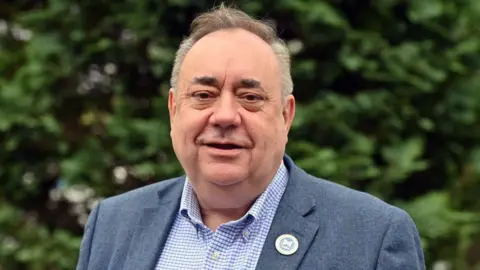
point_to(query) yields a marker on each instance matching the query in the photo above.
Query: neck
(212, 218)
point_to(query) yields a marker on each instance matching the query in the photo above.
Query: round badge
(286, 244)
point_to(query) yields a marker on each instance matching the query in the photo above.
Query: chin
(224, 175)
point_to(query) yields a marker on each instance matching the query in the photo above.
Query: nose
(225, 112)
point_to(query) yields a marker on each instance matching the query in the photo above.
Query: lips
(224, 146)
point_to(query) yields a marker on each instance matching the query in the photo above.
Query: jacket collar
(293, 217)
(153, 226)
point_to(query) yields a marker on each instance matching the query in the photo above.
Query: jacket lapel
(292, 217)
(152, 230)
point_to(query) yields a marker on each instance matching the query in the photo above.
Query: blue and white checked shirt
(234, 245)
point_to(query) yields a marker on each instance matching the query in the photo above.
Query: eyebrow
(250, 83)
(206, 80)
(212, 81)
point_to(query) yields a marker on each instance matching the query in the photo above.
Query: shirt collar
(190, 210)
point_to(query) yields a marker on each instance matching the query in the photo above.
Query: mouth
(226, 146)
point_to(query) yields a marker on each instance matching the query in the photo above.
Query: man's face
(229, 125)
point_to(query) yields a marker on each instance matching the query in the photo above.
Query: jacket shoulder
(349, 202)
(146, 196)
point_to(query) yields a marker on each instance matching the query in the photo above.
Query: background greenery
(388, 103)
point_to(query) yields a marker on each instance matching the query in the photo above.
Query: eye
(252, 97)
(202, 95)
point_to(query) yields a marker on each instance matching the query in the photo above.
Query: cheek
(188, 124)
(267, 131)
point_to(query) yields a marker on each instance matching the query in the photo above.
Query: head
(230, 106)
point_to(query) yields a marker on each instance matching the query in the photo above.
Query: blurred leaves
(435, 216)
(403, 159)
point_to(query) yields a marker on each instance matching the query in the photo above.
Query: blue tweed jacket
(336, 227)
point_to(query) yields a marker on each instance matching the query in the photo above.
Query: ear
(289, 112)
(172, 105)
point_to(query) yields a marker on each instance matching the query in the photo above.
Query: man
(243, 203)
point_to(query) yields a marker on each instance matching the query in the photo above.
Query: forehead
(231, 55)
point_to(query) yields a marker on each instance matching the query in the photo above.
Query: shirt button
(215, 255)
(246, 233)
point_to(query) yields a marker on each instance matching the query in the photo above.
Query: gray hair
(227, 18)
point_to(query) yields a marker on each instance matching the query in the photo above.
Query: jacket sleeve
(401, 247)
(85, 248)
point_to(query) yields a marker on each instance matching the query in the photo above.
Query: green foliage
(387, 93)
